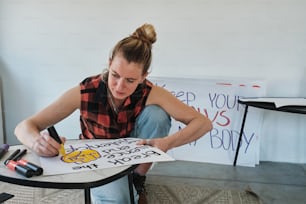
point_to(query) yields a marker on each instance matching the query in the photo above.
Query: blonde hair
(137, 47)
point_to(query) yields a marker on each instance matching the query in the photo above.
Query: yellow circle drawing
(81, 156)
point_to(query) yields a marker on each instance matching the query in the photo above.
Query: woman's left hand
(159, 143)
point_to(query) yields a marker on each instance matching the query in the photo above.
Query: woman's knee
(155, 114)
(153, 122)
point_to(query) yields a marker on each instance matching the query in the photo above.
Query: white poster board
(88, 155)
(218, 100)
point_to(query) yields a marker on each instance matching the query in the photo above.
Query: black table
(80, 180)
(292, 105)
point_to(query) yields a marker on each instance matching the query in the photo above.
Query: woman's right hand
(45, 145)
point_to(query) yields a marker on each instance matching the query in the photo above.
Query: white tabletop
(84, 179)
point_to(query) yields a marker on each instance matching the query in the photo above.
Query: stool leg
(130, 178)
(87, 196)
(241, 133)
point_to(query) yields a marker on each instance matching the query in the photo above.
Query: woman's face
(124, 77)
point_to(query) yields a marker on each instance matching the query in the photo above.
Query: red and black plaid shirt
(97, 118)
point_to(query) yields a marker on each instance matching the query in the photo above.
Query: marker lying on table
(55, 136)
(12, 156)
(23, 170)
(37, 170)
(19, 155)
(21, 166)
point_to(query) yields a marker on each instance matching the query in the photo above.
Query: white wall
(47, 46)
(1, 119)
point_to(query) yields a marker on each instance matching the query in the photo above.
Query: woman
(118, 103)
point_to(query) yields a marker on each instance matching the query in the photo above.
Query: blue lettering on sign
(223, 101)
(226, 139)
(185, 96)
(220, 104)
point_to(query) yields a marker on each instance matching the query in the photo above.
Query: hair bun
(146, 33)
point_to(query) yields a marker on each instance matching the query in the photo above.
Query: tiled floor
(275, 183)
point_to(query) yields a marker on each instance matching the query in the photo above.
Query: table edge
(67, 185)
(271, 106)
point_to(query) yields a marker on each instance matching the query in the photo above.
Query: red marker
(37, 170)
(23, 170)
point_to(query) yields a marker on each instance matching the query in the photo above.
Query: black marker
(37, 170)
(11, 156)
(19, 155)
(3, 149)
(23, 170)
(54, 135)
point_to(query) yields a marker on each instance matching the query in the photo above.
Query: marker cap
(23, 170)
